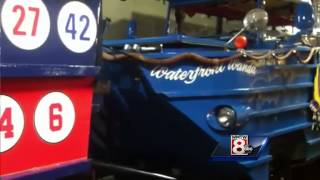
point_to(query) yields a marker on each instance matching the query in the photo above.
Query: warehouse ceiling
(280, 12)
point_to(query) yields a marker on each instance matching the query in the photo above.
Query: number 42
(71, 27)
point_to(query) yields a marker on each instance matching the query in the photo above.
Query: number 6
(55, 119)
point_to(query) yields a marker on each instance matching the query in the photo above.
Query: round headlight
(226, 117)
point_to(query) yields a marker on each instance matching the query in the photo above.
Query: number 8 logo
(238, 147)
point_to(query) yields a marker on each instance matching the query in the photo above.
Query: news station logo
(240, 145)
(239, 148)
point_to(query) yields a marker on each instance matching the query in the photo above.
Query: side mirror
(256, 20)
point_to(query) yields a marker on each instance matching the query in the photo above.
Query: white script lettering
(190, 76)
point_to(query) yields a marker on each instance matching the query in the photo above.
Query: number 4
(6, 123)
(71, 29)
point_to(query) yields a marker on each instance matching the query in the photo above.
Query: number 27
(16, 29)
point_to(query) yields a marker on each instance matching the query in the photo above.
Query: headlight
(226, 117)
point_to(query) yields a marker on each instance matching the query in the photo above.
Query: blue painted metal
(304, 18)
(31, 70)
(168, 111)
(170, 39)
(272, 102)
(52, 58)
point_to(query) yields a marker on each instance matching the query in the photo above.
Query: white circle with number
(11, 123)
(54, 117)
(77, 27)
(25, 23)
